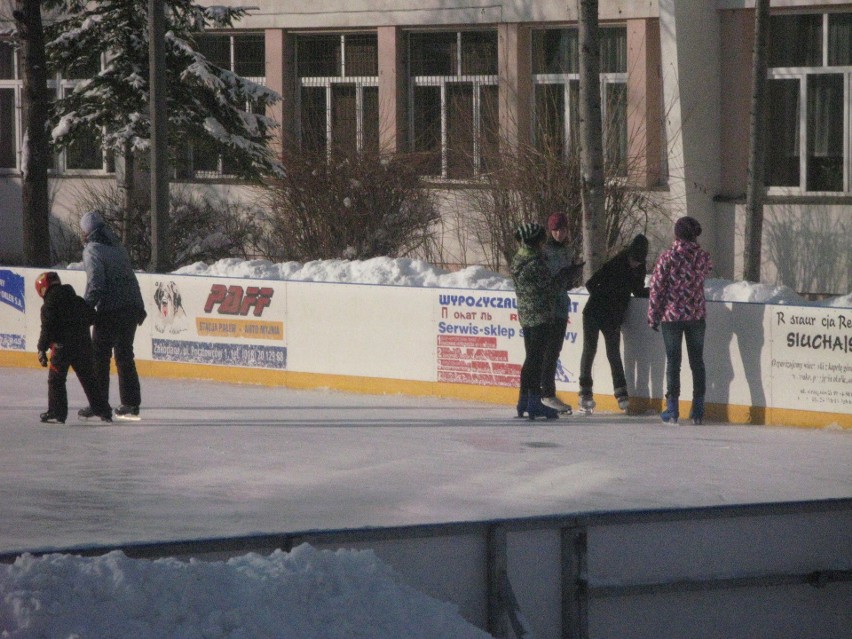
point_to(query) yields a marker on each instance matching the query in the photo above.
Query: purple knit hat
(687, 229)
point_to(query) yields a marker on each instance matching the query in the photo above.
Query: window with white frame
(338, 93)
(84, 154)
(808, 132)
(9, 96)
(453, 117)
(556, 95)
(243, 54)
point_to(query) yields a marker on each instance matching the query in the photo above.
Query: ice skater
(677, 305)
(113, 291)
(534, 289)
(559, 257)
(65, 322)
(609, 296)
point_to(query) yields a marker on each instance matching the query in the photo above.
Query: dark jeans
(114, 333)
(673, 334)
(555, 339)
(79, 357)
(535, 343)
(612, 341)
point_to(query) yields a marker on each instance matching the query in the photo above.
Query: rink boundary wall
(752, 570)
(762, 365)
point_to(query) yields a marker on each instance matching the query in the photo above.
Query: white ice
(212, 459)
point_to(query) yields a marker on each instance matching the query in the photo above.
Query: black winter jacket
(610, 288)
(65, 318)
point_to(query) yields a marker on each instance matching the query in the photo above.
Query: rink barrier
(766, 364)
(757, 570)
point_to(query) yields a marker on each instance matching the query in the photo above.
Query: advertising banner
(13, 311)
(811, 358)
(225, 323)
(480, 341)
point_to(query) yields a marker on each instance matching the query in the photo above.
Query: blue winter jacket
(111, 284)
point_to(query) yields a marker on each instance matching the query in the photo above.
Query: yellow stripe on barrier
(730, 413)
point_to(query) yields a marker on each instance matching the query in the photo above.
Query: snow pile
(408, 272)
(378, 270)
(306, 593)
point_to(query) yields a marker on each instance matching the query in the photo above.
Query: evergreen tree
(209, 107)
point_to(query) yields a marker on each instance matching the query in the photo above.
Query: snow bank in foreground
(407, 272)
(305, 593)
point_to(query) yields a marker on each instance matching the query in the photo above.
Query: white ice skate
(587, 405)
(623, 402)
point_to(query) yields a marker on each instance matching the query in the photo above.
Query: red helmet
(45, 281)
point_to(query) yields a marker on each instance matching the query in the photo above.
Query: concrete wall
(766, 364)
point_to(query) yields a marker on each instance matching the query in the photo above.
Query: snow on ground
(305, 593)
(408, 272)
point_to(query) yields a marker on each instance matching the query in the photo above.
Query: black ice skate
(51, 418)
(87, 414)
(127, 412)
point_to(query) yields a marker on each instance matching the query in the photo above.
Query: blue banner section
(11, 342)
(249, 355)
(12, 289)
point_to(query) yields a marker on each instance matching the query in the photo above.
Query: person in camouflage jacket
(535, 293)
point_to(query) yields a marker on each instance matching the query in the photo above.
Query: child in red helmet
(65, 322)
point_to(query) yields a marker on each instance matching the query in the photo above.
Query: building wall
(688, 88)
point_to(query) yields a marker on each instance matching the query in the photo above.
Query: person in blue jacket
(113, 291)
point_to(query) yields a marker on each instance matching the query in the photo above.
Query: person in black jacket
(65, 322)
(609, 294)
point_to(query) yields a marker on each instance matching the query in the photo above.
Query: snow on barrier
(766, 364)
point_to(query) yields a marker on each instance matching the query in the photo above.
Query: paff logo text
(233, 300)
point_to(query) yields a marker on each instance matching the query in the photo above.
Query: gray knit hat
(90, 222)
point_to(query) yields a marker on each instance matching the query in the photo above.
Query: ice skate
(536, 409)
(51, 418)
(587, 405)
(622, 398)
(558, 405)
(87, 414)
(672, 412)
(696, 414)
(126, 412)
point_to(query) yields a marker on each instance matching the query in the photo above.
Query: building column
(392, 90)
(644, 103)
(281, 78)
(515, 90)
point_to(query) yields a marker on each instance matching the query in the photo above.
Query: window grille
(453, 93)
(808, 133)
(556, 66)
(339, 95)
(245, 55)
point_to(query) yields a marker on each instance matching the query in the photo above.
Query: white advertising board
(811, 358)
(219, 322)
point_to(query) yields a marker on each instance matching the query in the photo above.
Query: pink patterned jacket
(677, 284)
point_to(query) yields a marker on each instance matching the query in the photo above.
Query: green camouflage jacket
(533, 288)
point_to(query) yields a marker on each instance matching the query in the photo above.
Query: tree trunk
(128, 191)
(756, 188)
(36, 149)
(160, 249)
(591, 138)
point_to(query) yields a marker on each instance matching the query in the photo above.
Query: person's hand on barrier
(42, 358)
(655, 327)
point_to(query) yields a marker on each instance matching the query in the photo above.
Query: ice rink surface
(211, 459)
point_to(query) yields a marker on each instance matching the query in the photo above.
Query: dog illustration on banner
(171, 315)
